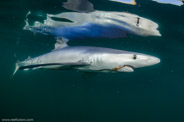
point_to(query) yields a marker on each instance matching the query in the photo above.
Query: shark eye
(135, 57)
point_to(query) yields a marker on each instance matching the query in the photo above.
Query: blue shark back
(90, 30)
(91, 50)
(70, 53)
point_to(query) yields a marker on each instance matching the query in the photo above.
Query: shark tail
(16, 69)
(16, 66)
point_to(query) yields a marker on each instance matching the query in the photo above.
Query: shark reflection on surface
(97, 24)
(78, 5)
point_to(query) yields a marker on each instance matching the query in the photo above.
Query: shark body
(89, 59)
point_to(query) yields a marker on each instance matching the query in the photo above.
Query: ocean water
(150, 94)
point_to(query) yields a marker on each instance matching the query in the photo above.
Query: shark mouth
(125, 68)
(122, 68)
(129, 66)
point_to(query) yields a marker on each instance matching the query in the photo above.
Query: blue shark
(89, 59)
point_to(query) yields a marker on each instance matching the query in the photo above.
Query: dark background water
(151, 94)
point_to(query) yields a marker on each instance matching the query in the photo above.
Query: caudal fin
(16, 66)
(16, 69)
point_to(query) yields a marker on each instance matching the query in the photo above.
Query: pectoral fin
(60, 43)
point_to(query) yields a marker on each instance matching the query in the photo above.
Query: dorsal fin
(78, 5)
(60, 43)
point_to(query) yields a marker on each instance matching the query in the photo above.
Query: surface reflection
(97, 24)
(79, 5)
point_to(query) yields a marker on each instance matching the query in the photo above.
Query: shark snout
(153, 60)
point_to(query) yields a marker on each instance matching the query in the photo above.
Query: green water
(151, 94)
